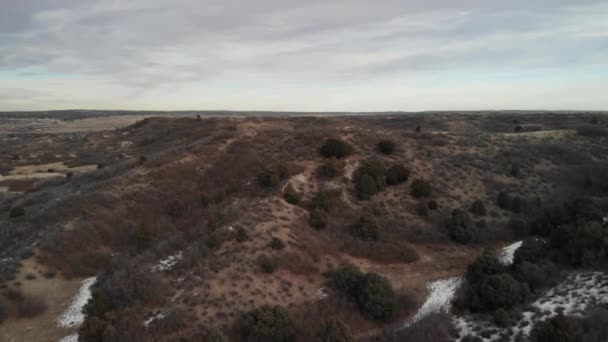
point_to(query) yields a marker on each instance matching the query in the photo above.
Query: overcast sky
(303, 55)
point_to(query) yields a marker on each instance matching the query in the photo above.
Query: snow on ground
(168, 263)
(573, 297)
(73, 315)
(506, 254)
(70, 338)
(320, 294)
(441, 293)
(158, 315)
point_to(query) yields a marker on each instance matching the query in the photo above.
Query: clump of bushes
(17, 212)
(420, 188)
(318, 218)
(397, 174)
(478, 208)
(336, 148)
(291, 196)
(269, 323)
(366, 228)
(370, 179)
(592, 131)
(372, 293)
(461, 227)
(386, 146)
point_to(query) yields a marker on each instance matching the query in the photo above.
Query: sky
(303, 55)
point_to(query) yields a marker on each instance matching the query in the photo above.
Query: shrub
(366, 228)
(17, 212)
(216, 335)
(504, 200)
(500, 291)
(270, 323)
(486, 264)
(322, 201)
(531, 250)
(366, 187)
(386, 146)
(291, 196)
(478, 208)
(397, 174)
(420, 188)
(461, 227)
(30, 307)
(277, 244)
(267, 264)
(536, 276)
(518, 205)
(330, 169)
(375, 297)
(318, 219)
(121, 286)
(3, 311)
(422, 208)
(336, 148)
(518, 227)
(515, 170)
(345, 279)
(334, 330)
(268, 179)
(557, 329)
(370, 179)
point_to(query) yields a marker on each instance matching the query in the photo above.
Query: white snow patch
(70, 338)
(73, 315)
(320, 294)
(441, 293)
(507, 253)
(572, 297)
(168, 263)
(158, 315)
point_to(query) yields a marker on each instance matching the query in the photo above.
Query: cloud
(180, 54)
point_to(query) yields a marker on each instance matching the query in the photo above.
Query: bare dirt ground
(56, 292)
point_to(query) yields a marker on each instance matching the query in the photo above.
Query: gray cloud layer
(278, 54)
